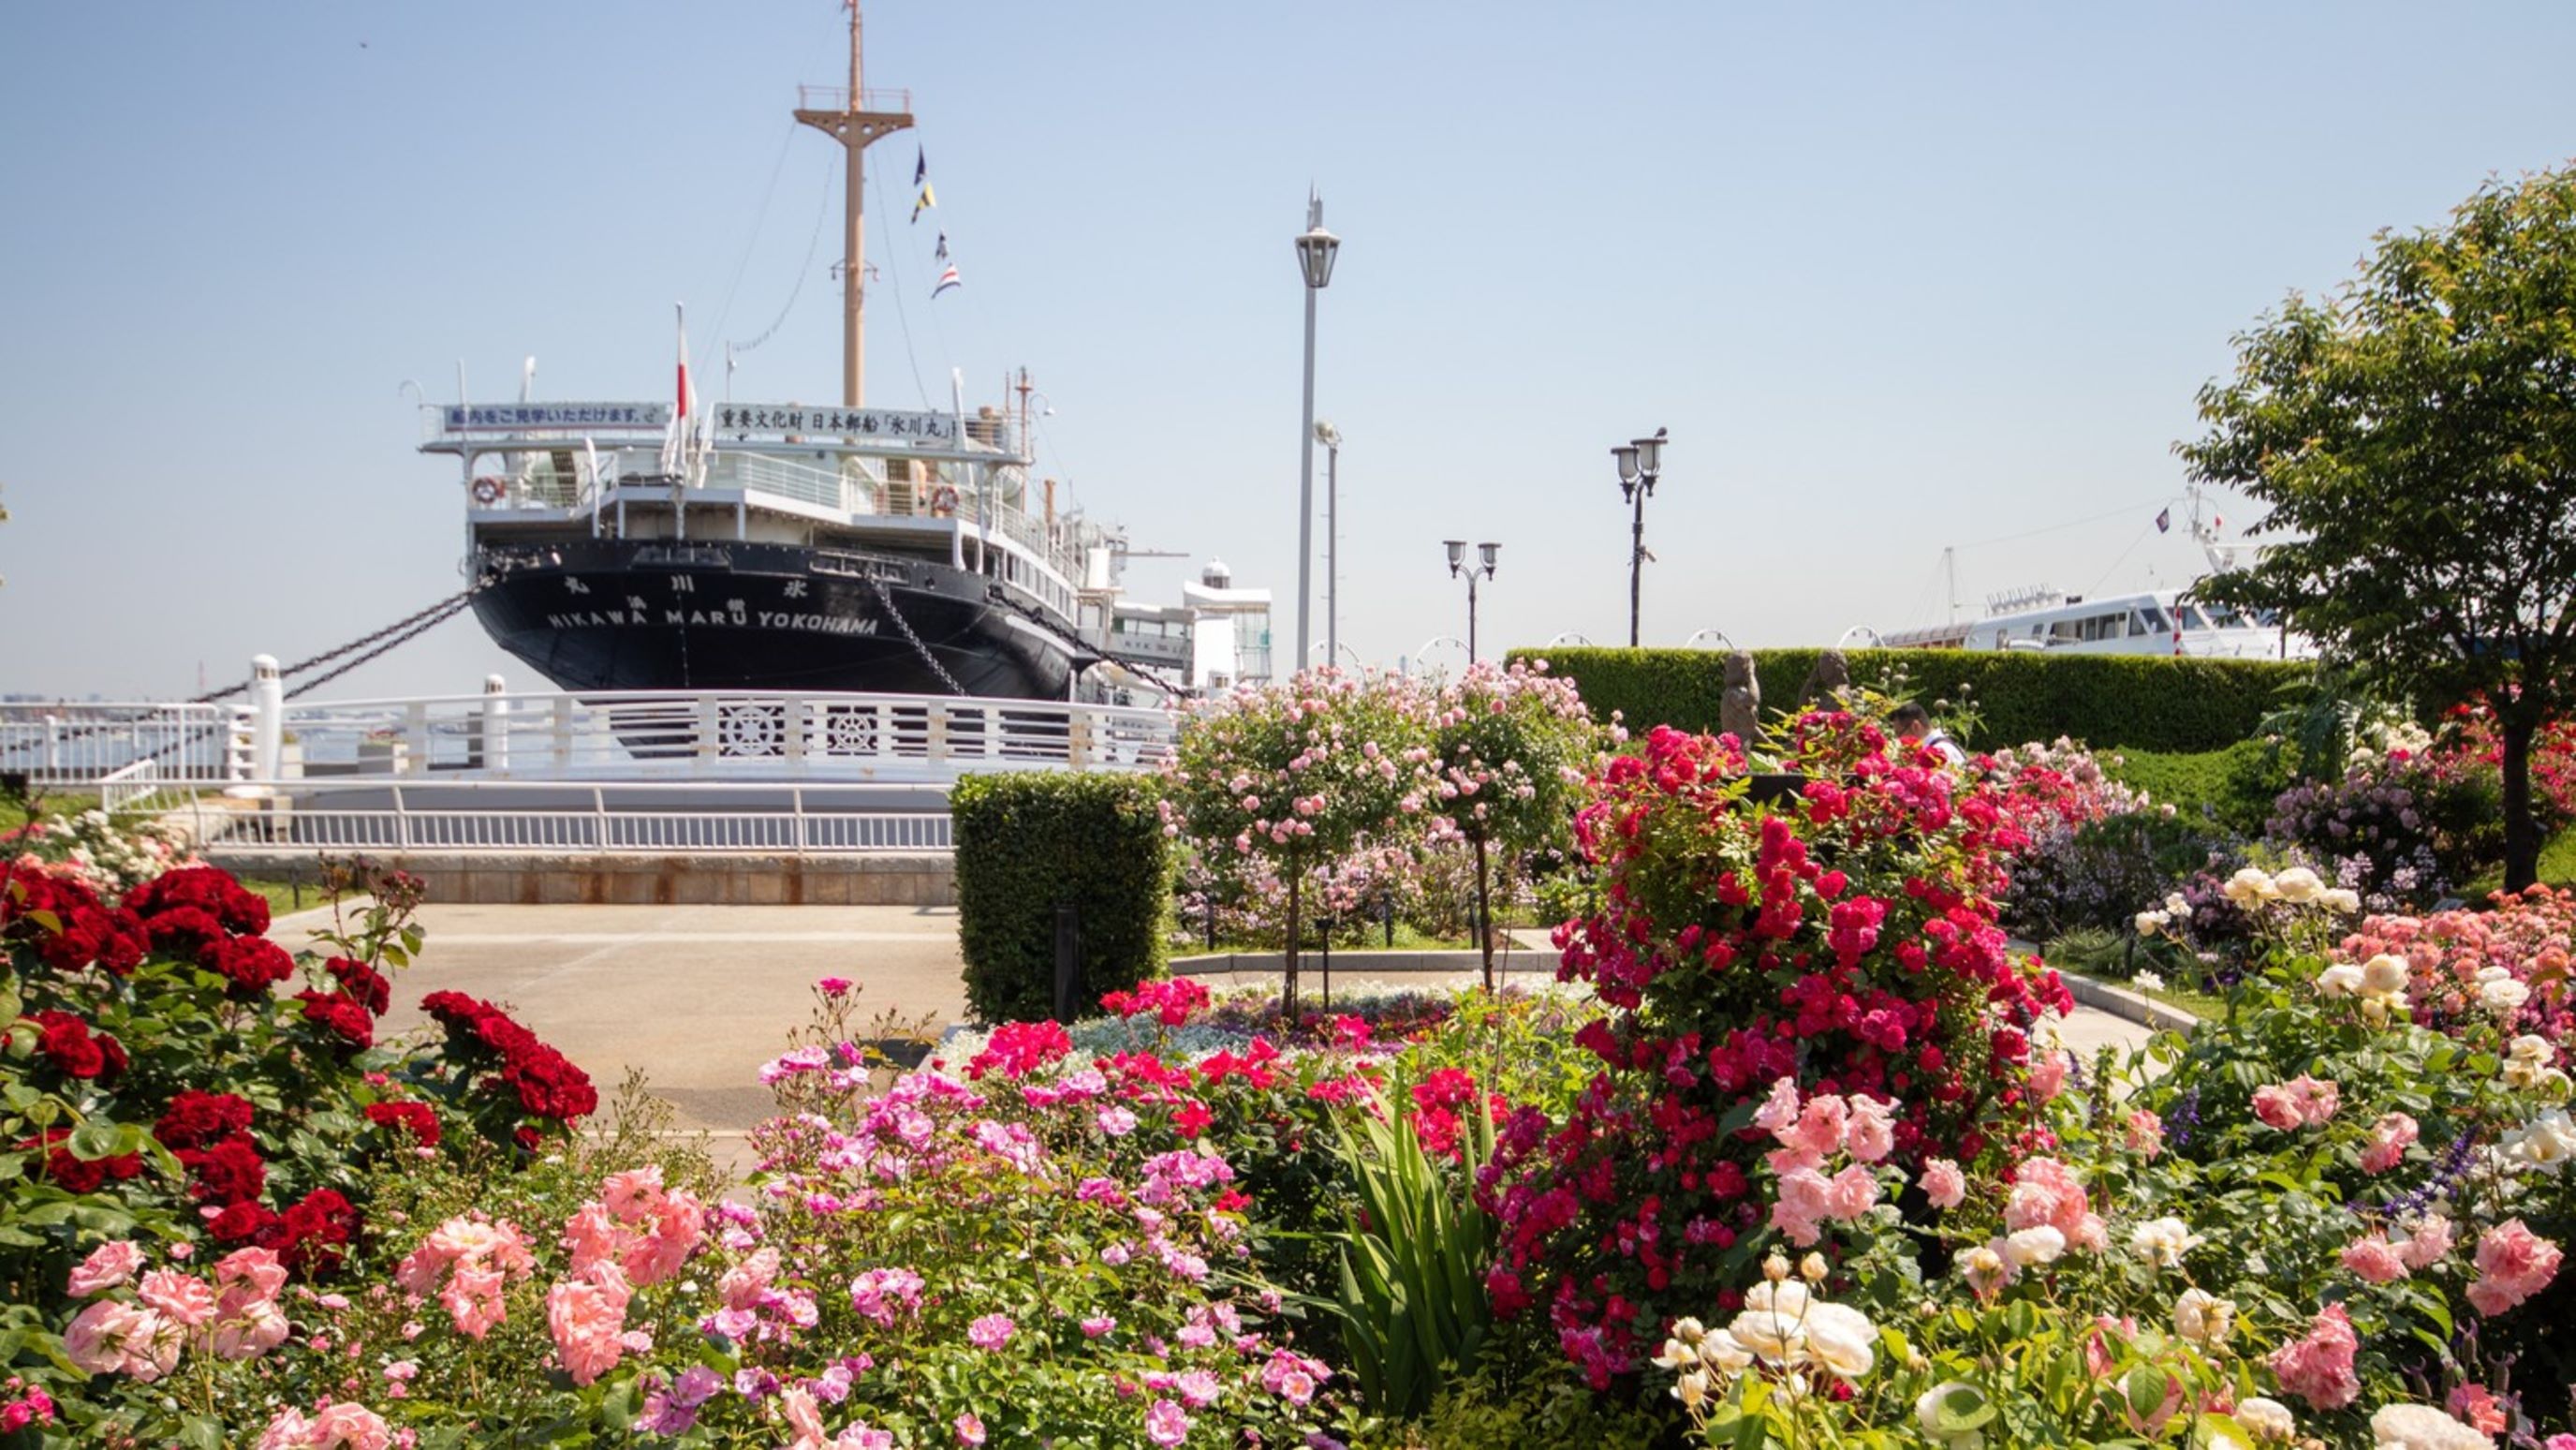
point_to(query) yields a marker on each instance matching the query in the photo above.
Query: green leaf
(1963, 1409)
(201, 1433)
(98, 1138)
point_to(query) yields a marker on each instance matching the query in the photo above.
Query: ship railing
(837, 98)
(574, 818)
(609, 735)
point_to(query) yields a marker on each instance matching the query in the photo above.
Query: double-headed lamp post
(1315, 249)
(1458, 567)
(1640, 463)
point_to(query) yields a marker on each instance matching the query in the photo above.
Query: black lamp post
(1459, 567)
(1640, 463)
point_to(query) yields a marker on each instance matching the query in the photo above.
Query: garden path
(696, 997)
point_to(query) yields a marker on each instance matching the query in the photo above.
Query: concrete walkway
(697, 997)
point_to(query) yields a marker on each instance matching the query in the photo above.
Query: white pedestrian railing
(610, 735)
(529, 816)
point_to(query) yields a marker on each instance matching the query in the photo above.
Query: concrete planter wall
(715, 879)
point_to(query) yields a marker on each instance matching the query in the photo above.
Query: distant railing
(538, 816)
(608, 735)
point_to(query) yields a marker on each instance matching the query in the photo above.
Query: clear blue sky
(1895, 277)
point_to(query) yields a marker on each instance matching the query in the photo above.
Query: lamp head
(1486, 553)
(1625, 456)
(1315, 251)
(1327, 434)
(1457, 552)
(1650, 454)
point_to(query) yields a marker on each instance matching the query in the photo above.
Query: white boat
(2150, 622)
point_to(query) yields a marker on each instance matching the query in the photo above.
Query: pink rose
(742, 1285)
(587, 1321)
(354, 1426)
(107, 1266)
(2318, 1368)
(1806, 1197)
(1871, 1131)
(2144, 1134)
(245, 1326)
(1819, 1129)
(632, 1194)
(114, 1337)
(1779, 1112)
(2375, 1260)
(2316, 1100)
(2513, 1264)
(257, 1271)
(2427, 1244)
(1852, 1192)
(182, 1299)
(2276, 1107)
(2046, 1192)
(1943, 1183)
(473, 1299)
(2047, 1075)
(2390, 1137)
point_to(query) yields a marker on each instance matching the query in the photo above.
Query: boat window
(2223, 616)
(2152, 619)
(2191, 616)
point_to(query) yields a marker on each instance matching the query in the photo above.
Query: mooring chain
(442, 609)
(885, 601)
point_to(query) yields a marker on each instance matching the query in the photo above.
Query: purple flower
(990, 1332)
(1166, 1423)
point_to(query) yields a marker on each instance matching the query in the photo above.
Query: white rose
(2421, 1427)
(2037, 1245)
(1720, 1351)
(2530, 1047)
(2343, 979)
(1927, 1413)
(2250, 886)
(2176, 905)
(2163, 1241)
(2268, 1420)
(1691, 1388)
(2203, 1318)
(2343, 899)
(2384, 975)
(2149, 923)
(1773, 1325)
(2298, 886)
(2148, 982)
(2547, 1143)
(2503, 998)
(1839, 1338)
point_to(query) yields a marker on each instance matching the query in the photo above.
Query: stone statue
(1826, 685)
(1739, 711)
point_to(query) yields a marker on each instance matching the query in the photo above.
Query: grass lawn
(2557, 868)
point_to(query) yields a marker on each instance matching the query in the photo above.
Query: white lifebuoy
(943, 501)
(487, 490)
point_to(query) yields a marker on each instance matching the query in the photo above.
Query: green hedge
(2148, 702)
(1027, 842)
(2234, 787)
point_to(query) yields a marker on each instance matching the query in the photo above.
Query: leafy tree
(1282, 781)
(1512, 749)
(2415, 436)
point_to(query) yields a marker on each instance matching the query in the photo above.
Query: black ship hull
(609, 614)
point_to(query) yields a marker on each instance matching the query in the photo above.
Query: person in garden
(1914, 724)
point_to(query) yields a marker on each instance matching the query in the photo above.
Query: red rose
(417, 1119)
(184, 933)
(311, 1235)
(241, 1223)
(79, 1175)
(341, 1015)
(67, 1044)
(229, 1172)
(363, 983)
(194, 1119)
(254, 963)
(202, 888)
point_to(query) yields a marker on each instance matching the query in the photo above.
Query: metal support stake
(268, 719)
(1068, 961)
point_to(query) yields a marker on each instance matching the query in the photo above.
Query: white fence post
(268, 719)
(496, 725)
(54, 744)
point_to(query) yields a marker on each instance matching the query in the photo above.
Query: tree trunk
(2521, 832)
(1288, 979)
(1484, 915)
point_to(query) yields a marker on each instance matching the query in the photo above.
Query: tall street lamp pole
(1331, 438)
(1459, 566)
(1315, 249)
(1640, 462)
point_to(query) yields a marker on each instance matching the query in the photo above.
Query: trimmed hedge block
(1027, 842)
(2145, 702)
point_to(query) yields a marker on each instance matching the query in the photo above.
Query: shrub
(1844, 936)
(1027, 842)
(2145, 702)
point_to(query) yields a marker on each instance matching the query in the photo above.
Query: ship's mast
(855, 125)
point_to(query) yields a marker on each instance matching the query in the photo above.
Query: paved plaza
(697, 997)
